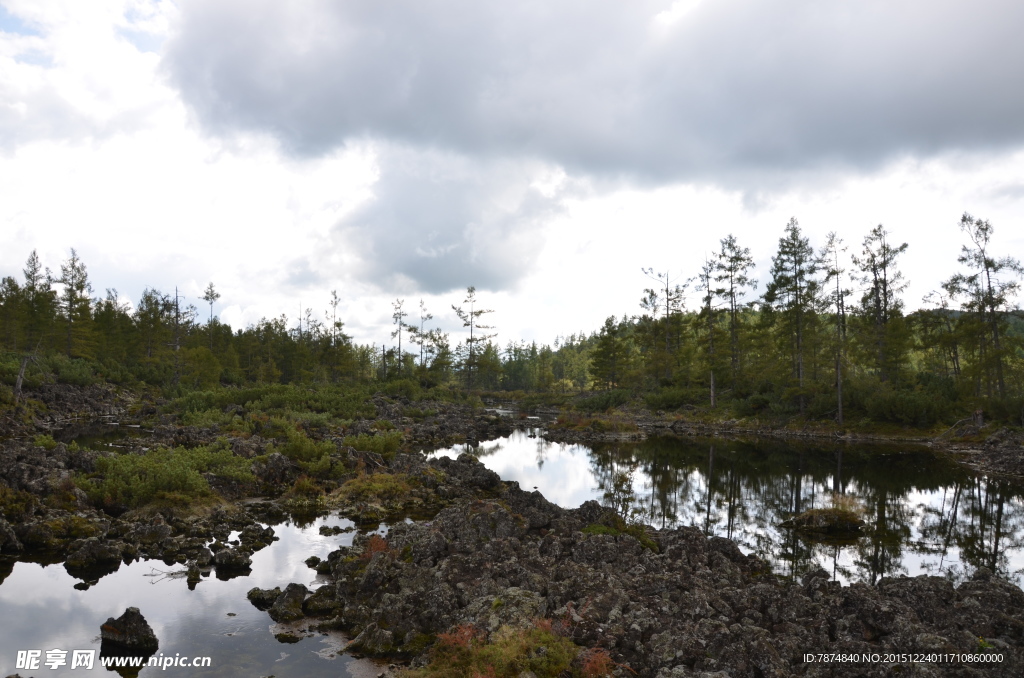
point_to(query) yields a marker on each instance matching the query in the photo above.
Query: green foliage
(305, 486)
(604, 401)
(613, 525)
(675, 398)
(904, 406)
(384, 444)
(74, 371)
(16, 505)
(134, 480)
(466, 652)
(379, 486)
(44, 440)
(300, 447)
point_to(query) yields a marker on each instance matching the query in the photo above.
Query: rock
(373, 640)
(288, 606)
(263, 599)
(322, 603)
(8, 539)
(231, 560)
(276, 471)
(130, 631)
(95, 554)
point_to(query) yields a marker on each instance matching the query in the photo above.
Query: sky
(542, 151)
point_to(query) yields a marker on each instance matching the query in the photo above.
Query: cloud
(728, 91)
(441, 221)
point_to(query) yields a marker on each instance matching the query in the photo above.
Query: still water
(41, 609)
(925, 514)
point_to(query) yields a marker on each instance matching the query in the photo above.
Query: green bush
(403, 387)
(466, 652)
(44, 440)
(299, 447)
(604, 401)
(74, 371)
(907, 407)
(385, 444)
(674, 398)
(133, 480)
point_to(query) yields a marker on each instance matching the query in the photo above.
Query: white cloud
(541, 155)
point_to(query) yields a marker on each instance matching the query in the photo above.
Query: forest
(824, 335)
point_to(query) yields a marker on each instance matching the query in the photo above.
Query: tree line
(829, 337)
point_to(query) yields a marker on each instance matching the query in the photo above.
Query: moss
(614, 526)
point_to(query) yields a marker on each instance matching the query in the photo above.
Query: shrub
(381, 486)
(385, 444)
(466, 652)
(305, 487)
(16, 504)
(133, 480)
(44, 440)
(604, 401)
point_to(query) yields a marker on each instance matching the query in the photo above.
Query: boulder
(229, 559)
(94, 554)
(288, 606)
(130, 631)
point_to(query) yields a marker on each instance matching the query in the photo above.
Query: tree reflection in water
(923, 513)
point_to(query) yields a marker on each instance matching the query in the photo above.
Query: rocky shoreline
(665, 603)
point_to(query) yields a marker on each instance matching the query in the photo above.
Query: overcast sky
(543, 151)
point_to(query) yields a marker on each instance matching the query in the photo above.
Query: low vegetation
(467, 652)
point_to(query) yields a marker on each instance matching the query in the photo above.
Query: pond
(43, 610)
(925, 513)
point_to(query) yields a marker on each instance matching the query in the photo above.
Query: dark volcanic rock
(8, 539)
(263, 599)
(682, 606)
(94, 554)
(288, 606)
(229, 559)
(130, 631)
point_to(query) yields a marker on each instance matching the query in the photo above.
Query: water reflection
(924, 514)
(43, 610)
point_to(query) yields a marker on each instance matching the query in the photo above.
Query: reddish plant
(596, 663)
(461, 636)
(376, 544)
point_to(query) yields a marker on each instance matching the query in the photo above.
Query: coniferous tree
(210, 295)
(986, 293)
(471, 319)
(834, 277)
(75, 305)
(609, 359)
(881, 310)
(792, 296)
(732, 273)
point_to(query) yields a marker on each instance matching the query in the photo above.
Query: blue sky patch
(9, 23)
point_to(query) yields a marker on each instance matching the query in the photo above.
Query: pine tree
(986, 293)
(792, 294)
(75, 304)
(471, 319)
(881, 308)
(732, 272)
